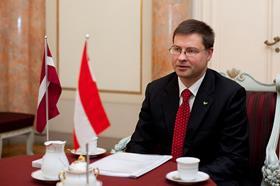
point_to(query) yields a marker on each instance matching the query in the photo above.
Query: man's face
(192, 62)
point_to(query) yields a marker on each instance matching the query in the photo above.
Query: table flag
(50, 89)
(90, 118)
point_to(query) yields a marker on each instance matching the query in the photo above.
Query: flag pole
(87, 37)
(87, 144)
(87, 165)
(47, 97)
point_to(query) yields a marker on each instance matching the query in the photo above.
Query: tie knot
(186, 94)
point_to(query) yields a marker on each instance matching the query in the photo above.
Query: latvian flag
(48, 82)
(90, 118)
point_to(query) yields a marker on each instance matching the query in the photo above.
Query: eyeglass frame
(191, 53)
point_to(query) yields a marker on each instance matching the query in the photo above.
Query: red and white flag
(48, 82)
(90, 118)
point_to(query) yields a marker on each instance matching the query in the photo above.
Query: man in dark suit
(216, 130)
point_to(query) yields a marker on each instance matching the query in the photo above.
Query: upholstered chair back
(260, 112)
(261, 106)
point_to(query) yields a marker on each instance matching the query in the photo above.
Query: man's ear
(210, 53)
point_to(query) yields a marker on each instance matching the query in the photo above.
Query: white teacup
(187, 168)
(92, 147)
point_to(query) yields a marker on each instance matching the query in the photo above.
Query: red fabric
(17, 171)
(54, 91)
(182, 118)
(90, 99)
(75, 140)
(260, 111)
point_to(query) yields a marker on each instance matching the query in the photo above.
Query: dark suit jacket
(217, 130)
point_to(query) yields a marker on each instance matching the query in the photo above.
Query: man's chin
(183, 74)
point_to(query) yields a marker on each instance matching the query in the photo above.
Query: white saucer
(201, 176)
(98, 152)
(38, 175)
(98, 183)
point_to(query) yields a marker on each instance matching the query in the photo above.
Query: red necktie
(182, 118)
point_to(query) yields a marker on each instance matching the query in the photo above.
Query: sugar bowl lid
(79, 166)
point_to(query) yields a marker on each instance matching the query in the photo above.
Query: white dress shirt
(194, 88)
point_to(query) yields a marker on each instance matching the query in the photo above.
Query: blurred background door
(241, 29)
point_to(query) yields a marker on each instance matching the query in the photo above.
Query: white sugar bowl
(75, 175)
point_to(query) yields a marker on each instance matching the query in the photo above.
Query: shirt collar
(194, 88)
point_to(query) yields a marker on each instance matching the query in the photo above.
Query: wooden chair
(261, 111)
(15, 124)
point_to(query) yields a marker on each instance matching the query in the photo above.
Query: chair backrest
(261, 105)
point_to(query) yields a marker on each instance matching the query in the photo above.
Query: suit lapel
(170, 102)
(203, 101)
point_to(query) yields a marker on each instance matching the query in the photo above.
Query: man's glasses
(189, 52)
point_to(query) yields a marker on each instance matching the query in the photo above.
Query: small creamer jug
(54, 160)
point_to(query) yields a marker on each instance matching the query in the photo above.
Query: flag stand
(47, 101)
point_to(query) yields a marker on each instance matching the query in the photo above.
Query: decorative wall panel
(114, 45)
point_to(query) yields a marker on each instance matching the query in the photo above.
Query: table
(16, 171)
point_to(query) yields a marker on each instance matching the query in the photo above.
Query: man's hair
(192, 26)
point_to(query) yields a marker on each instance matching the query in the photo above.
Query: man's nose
(182, 56)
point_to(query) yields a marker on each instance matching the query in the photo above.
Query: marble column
(167, 14)
(22, 33)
